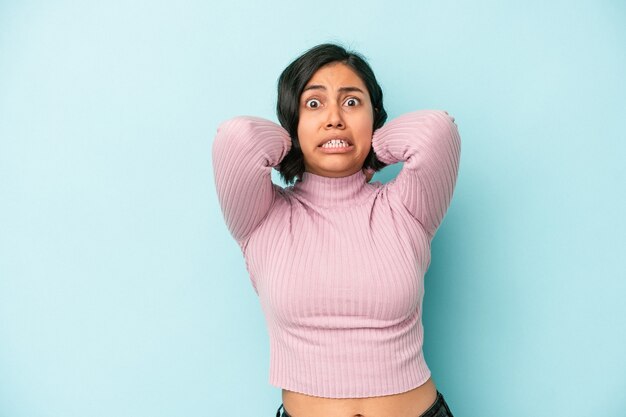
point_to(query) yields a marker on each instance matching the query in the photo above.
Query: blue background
(121, 291)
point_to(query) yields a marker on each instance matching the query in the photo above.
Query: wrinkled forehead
(335, 76)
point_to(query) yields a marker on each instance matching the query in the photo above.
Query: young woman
(338, 262)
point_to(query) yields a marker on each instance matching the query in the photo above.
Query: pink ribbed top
(339, 263)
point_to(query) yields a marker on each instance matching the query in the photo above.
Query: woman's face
(335, 104)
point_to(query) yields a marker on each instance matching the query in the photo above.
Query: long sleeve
(428, 143)
(244, 151)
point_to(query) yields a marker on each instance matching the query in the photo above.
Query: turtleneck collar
(330, 191)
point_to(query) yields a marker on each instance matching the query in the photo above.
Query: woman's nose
(334, 118)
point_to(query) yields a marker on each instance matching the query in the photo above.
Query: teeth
(334, 143)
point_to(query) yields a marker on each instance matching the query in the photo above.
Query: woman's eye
(352, 101)
(313, 103)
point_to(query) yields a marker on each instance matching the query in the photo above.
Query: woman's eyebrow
(350, 89)
(347, 89)
(314, 87)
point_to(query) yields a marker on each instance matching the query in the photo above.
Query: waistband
(432, 411)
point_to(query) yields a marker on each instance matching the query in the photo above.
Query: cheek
(365, 129)
(305, 132)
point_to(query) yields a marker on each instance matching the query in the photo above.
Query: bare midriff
(411, 403)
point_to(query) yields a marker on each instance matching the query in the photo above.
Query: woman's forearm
(244, 151)
(428, 143)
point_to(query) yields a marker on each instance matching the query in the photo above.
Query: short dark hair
(291, 83)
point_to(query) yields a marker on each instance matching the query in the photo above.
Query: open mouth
(335, 143)
(336, 146)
